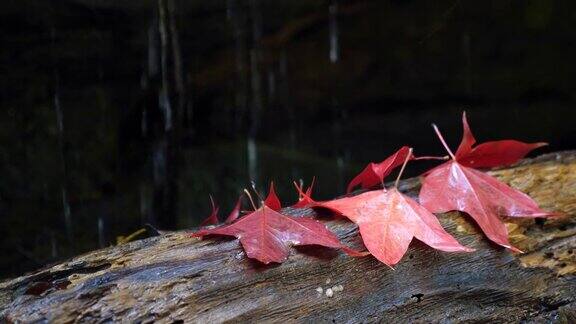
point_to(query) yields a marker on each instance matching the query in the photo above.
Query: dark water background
(114, 114)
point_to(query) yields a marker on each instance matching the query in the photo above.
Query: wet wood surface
(174, 278)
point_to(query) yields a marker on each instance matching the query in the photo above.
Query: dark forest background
(114, 114)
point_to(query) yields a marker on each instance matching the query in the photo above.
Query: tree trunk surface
(175, 278)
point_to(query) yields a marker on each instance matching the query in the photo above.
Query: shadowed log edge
(172, 277)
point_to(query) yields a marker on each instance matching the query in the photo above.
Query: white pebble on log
(338, 288)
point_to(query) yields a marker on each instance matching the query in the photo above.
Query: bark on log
(173, 277)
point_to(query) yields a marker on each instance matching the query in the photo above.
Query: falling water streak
(237, 19)
(178, 67)
(60, 128)
(164, 67)
(340, 113)
(101, 235)
(152, 51)
(255, 59)
(164, 96)
(165, 106)
(151, 70)
(333, 32)
(256, 107)
(252, 153)
(66, 212)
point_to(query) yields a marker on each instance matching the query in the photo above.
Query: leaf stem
(250, 197)
(312, 183)
(403, 166)
(300, 189)
(212, 202)
(443, 141)
(445, 157)
(257, 193)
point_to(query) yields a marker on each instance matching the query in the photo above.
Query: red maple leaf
(490, 154)
(266, 234)
(388, 221)
(454, 185)
(235, 213)
(374, 173)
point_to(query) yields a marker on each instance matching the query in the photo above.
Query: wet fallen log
(172, 277)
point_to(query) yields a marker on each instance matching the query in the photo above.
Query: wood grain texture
(173, 277)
